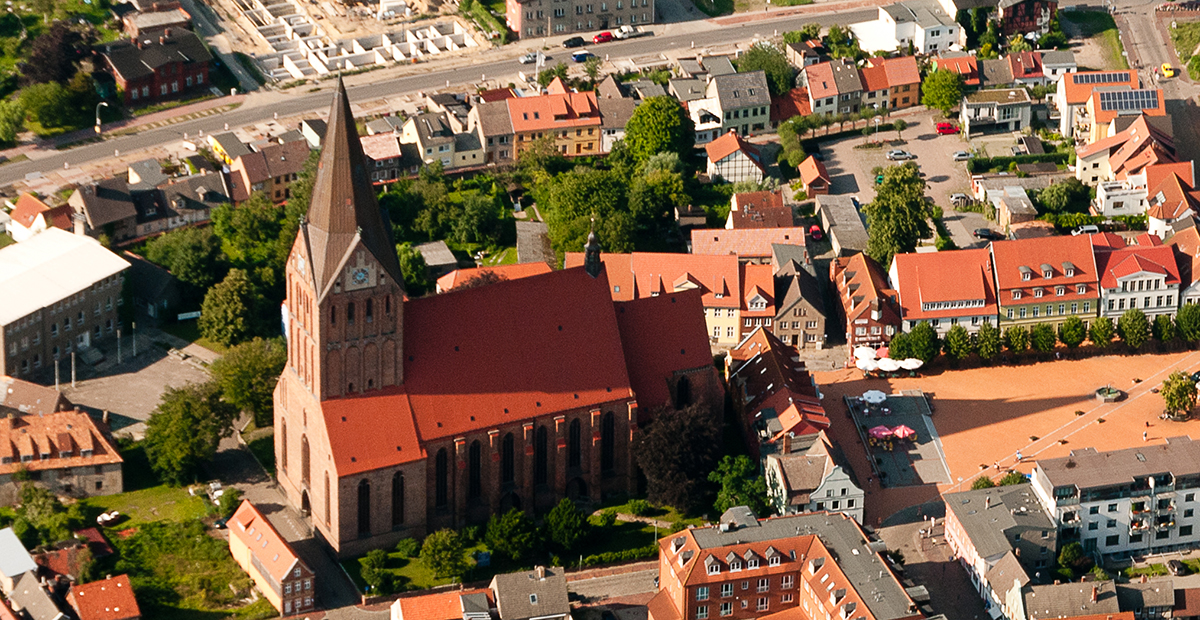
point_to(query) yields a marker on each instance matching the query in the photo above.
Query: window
(786, 598)
(762, 603)
(735, 566)
(764, 584)
(702, 593)
(726, 590)
(1185, 530)
(1188, 513)
(787, 581)
(714, 569)
(726, 609)
(702, 612)
(1094, 510)
(1111, 523)
(1163, 535)
(1112, 507)
(775, 562)
(1093, 526)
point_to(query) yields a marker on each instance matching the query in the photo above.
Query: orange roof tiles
(874, 76)
(1014, 259)
(728, 144)
(811, 169)
(31, 436)
(760, 210)
(381, 146)
(771, 380)
(1186, 245)
(941, 278)
(439, 606)
(27, 209)
(792, 103)
(1127, 261)
(275, 555)
(820, 80)
(554, 110)
(901, 70)
(459, 277)
(966, 66)
(107, 599)
(662, 335)
(744, 243)
(758, 283)
(861, 282)
(1025, 65)
(1078, 92)
(645, 274)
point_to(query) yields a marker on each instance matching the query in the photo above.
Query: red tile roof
(662, 335)
(1127, 261)
(936, 277)
(381, 146)
(274, 554)
(6, 613)
(727, 145)
(1171, 198)
(900, 70)
(107, 599)
(874, 76)
(554, 111)
(1186, 244)
(758, 281)
(439, 606)
(1078, 92)
(811, 169)
(744, 243)
(1106, 240)
(645, 274)
(760, 210)
(771, 380)
(27, 209)
(966, 66)
(820, 80)
(62, 432)
(1025, 65)
(1055, 253)
(496, 94)
(792, 103)
(864, 284)
(1148, 239)
(67, 561)
(504, 272)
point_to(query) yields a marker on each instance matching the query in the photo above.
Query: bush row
(983, 164)
(626, 555)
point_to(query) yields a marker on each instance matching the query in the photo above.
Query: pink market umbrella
(903, 432)
(881, 352)
(880, 432)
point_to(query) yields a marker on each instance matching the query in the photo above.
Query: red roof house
(759, 210)
(748, 244)
(814, 178)
(107, 599)
(964, 65)
(1045, 280)
(945, 288)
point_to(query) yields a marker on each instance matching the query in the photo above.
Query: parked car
(987, 234)
(878, 179)
(574, 42)
(528, 59)
(1196, 376)
(946, 129)
(628, 32)
(1167, 70)
(603, 37)
(815, 232)
(961, 155)
(1177, 568)
(582, 56)
(1086, 229)
(108, 518)
(899, 155)
(959, 199)
(215, 492)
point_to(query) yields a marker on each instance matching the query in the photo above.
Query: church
(396, 417)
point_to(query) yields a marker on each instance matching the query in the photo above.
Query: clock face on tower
(359, 276)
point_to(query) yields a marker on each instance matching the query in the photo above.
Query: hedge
(626, 555)
(983, 164)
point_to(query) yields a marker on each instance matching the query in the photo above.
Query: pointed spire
(591, 253)
(344, 206)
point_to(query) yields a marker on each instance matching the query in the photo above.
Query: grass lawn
(663, 513)
(6, 240)
(1150, 570)
(189, 331)
(715, 198)
(1099, 25)
(412, 574)
(503, 256)
(145, 499)
(1186, 37)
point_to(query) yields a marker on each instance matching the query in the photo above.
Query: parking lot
(850, 170)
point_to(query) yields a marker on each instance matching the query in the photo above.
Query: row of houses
(930, 26)
(34, 590)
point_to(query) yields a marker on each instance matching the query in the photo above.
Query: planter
(1109, 394)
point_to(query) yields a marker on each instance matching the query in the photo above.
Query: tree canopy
(184, 430)
(898, 217)
(676, 451)
(54, 55)
(511, 535)
(1179, 393)
(568, 526)
(1042, 338)
(414, 270)
(1068, 196)
(1016, 339)
(444, 554)
(1072, 332)
(942, 90)
(247, 375)
(739, 484)
(807, 32)
(766, 57)
(1101, 332)
(229, 314)
(573, 198)
(1134, 328)
(987, 341)
(1187, 322)
(191, 254)
(957, 343)
(659, 125)
(924, 341)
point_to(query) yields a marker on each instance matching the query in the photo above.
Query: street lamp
(877, 120)
(98, 106)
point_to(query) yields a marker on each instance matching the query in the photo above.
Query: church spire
(591, 253)
(344, 207)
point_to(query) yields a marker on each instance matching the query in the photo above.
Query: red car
(603, 37)
(815, 232)
(945, 129)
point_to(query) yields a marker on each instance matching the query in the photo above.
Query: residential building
(834, 87)
(902, 78)
(1147, 600)
(1027, 68)
(790, 104)
(733, 103)
(703, 67)
(270, 171)
(187, 200)
(63, 293)
(650, 274)
(813, 479)
(843, 223)
(475, 604)
(228, 146)
(1186, 246)
(570, 119)
(1106, 104)
(1013, 206)
(386, 158)
(389, 123)
(866, 306)
(65, 452)
(686, 90)
(30, 597)
(814, 178)
(804, 53)
(437, 140)
(15, 561)
(1057, 63)
(1001, 535)
(152, 24)
(799, 308)
(539, 594)
(961, 63)
(20, 397)
(758, 297)
(150, 70)
(107, 208)
(945, 289)
(110, 598)
(1003, 109)
(1074, 91)
(1081, 601)
(733, 159)
(1025, 16)
(1137, 501)
(777, 401)
(362, 442)
(745, 567)
(759, 210)
(278, 573)
(313, 130)
(920, 25)
(439, 259)
(1172, 196)
(996, 73)
(1126, 152)
(31, 216)
(491, 122)
(489, 275)
(753, 245)
(1045, 280)
(535, 18)
(614, 114)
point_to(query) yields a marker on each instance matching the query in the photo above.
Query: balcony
(1167, 506)
(1163, 523)
(1139, 508)
(1138, 526)
(1070, 517)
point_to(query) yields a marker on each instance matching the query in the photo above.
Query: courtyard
(985, 416)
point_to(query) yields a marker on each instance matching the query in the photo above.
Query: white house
(812, 479)
(31, 216)
(1144, 277)
(738, 102)
(733, 159)
(922, 23)
(1008, 109)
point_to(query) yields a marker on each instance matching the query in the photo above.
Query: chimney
(540, 571)
(1095, 593)
(987, 502)
(786, 445)
(162, 40)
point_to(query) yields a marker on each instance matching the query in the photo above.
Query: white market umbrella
(874, 397)
(911, 363)
(867, 365)
(888, 364)
(864, 353)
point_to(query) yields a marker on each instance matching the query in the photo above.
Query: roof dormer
(1068, 269)
(1026, 273)
(1047, 271)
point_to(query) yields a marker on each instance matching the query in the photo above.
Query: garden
(1102, 30)
(1186, 37)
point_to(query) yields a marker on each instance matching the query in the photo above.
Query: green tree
(659, 125)
(1163, 328)
(1074, 558)
(55, 54)
(1072, 332)
(942, 90)
(676, 451)
(900, 347)
(987, 341)
(547, 75)
(653, 198)
(1017, 43)
(573, 198)
(740, 484)
(898, 217)
(249, 231)
(957, 343)
(1013, 478)
(191, 254)
(479, 219)
(48, 103)
(1069, 196)
(247, 375)
(1187, 322)
(568, 526)
(1179, 394)
(183, 431)
(1134, 328)
(1101, 332)
(982, 482)
(1042, 338)
(511, 535)
(229, 314)
(768, 58)
(899, 125)
(374, 571)
(231, 498)
(1016, 339)
(807, 32)
(443, 553)
(591, 68)
(414, 270)
(924, 339)
(12, 121)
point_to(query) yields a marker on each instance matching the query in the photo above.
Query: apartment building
(65, 452)
(996, 109)
(834, 87)
(1106, 105)
(815, 478)
(733, 102)
(868, 307)
(1145, 277)
(1045, 280)
(570, 120)
(539, 18)
(1074, 91)
(945, 289)
(921, 25)
(278, 573)
(1136, 501)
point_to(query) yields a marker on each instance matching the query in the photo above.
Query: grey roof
(783, 253)
(798, 285)
(431, 128)
(14, 559)
(1134, 596)
(475, 604)
(386, 124)
(869, 575)
(145, 174)
(995, 72)
(610, 88)
(717, 65)
(194, 193)
(315, 125)
(846, 77)
(34, 600)
(1088, 468)
(926, 13)
(997, 182)
(843, 221)
(494, 119)
(615, 113)
(646, 89)
(804, 472)
(132, 62)
(464, 142)
(1017, 201)
(107, 201)
(1005, 572)
(1068, 600)
(992, 518)
(691, 66)
(740, 90)
(1058, 57)
(149, 281)
(516, 592)
(230, 143)
(159, 19)
(437, 254)
(686, 89)
(533, 243)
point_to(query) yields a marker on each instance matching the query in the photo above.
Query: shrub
(640, 507)
(626, 555)
(979, 165)
(408, 547)
(607, 518)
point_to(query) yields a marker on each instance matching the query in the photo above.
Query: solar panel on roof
(1101, 78)
(1128, 100)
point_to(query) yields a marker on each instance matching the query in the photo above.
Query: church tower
(345, 288)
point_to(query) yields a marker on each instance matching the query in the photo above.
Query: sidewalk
(822, 8)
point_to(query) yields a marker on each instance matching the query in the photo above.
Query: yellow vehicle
(1167, 70)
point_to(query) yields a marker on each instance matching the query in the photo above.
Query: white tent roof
(14, 559)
